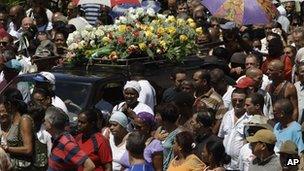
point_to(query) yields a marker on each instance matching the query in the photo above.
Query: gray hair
(57, 117)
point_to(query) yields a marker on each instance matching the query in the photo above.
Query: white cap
(49, 76)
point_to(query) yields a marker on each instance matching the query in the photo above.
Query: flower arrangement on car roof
(138, 32)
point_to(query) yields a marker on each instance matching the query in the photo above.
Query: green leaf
(150, 53)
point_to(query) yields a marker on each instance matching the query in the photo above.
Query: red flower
(120, 40)
(135, 33)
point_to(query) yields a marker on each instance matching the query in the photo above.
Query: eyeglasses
(3, 43)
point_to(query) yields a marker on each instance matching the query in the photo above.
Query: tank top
(14, 139)
(277, 96)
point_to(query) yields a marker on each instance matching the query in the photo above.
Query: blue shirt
(293, 132)
(141, 167)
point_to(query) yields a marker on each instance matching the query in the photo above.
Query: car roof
(78, 75)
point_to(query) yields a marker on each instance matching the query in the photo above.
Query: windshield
(75, 95)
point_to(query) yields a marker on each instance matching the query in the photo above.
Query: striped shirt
(66, 154)
(211, 101)
(91, 11)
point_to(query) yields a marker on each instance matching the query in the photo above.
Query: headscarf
(120, 118)
(147, 118)
(134, 85)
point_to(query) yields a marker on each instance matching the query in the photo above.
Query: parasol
(243, 12)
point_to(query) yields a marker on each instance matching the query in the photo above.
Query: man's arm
(88, 165)
(291, 94)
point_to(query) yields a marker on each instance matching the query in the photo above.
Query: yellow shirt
(191, 163)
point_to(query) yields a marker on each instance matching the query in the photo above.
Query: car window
(74, 94)
(112, 92)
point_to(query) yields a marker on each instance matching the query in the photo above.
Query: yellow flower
(193, 25)
(190, 20)
(171, 30)
(163, 43)
(105, 40)
(183, 38)
(142, 46)
(148, 34)
(180, 22)
(150, 28)
(155, 22)
(143, 27)
(122, 28)
(160, 30)
(113, 56)
(199, 31)
(171, 19)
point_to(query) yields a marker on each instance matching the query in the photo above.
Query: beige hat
(289, 147)
(259, 121)
(263, 135)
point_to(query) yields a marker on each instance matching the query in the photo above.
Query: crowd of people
(242, 111)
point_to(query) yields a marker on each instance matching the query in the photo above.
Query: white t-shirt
(45, 138)
(233, 134)
(245, 157)
(139, 108)
(15, 33)
(227, 97)
(117, 153)
(300, 94)
(147, 94)
(57, 102)
(79, 22)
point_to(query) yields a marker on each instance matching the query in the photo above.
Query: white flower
(133, 17)
(76, 35)
(73, 46)
(151, 12)
(82, 44)
(123, 20)
(92, 35)
(131, 10)
(88, 27)
(99, 32)
(140, 11)
(70, 39)
(92, 43)
(161, 16)
(84, 33)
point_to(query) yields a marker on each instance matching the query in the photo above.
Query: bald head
(257, 75)
(217, 74)
(16, 8)
(277, 64)
(17, 13)
(26, 23)
(253, 72)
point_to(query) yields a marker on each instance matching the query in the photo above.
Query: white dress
(117, 153)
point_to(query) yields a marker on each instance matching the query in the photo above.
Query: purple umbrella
(243, 12)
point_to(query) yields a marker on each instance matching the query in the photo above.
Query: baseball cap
(259, 121)
(263, 135)
(244, 82)
(289, 147)
(13, 64)
(45, 77)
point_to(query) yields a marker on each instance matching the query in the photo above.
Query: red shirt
(66, 154)
(287, 66)
(98, 149)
